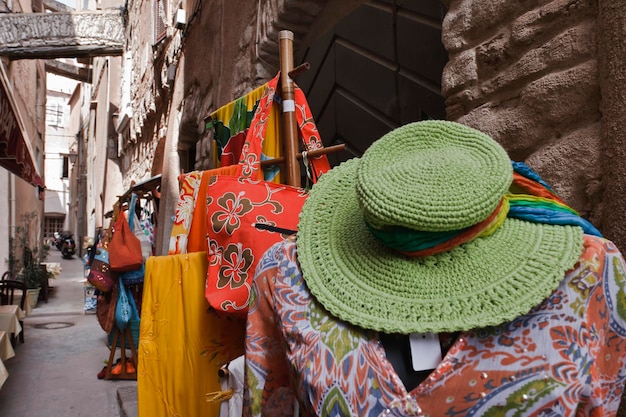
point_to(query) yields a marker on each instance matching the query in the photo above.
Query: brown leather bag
(105, 308)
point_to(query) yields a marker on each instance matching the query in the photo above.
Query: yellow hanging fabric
(182, 343)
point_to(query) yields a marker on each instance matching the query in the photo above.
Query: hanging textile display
(231, 123)
(117, 306)
(176, 310)
(245, 218)
(182, 343)
(175, 322)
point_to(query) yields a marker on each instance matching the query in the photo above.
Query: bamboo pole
(290, 127)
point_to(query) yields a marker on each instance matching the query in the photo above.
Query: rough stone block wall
(525, 72)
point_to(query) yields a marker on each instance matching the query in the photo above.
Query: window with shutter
(159, 11)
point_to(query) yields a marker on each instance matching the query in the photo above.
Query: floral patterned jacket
(564, 358)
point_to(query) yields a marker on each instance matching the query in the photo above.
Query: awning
(15, 151)
(53, 203)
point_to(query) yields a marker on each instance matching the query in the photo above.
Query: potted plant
(25, 259)
(33, 273)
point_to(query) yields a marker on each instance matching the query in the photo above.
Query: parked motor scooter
(57, 241)
(68, 246)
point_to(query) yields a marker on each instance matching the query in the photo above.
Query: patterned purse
(100, 274)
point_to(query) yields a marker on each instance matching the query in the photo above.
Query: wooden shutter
(159, 12)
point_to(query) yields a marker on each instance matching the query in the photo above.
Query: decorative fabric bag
(133, 277)
(122, 309)
(126, 315)
(245, 216)
(100, 274)
(145, 222)
(124, 248)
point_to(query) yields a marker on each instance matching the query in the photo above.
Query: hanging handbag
(245, 216)
(122, 309)
(100, 274)
(105, 309)
(136, 276)
(137, 229)
(124, 247)
(126, 315)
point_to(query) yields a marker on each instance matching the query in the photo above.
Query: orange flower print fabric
(565, 358)
(246, 218)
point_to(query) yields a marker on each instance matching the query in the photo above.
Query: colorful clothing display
(189, 230)
(231, 123)
(564, 358)
(182, 343)
(189, 185)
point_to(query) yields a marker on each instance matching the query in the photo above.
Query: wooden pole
(311, 154)
(290, 126)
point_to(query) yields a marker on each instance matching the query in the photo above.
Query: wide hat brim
(485, 282)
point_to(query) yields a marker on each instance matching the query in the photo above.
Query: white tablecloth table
(27, 303)
(6, 348)
(10, 319)
(6, 352)
(4, 374)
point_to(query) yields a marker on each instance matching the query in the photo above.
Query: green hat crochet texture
(431, 176)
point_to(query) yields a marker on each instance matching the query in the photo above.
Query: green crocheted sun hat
(424, 180)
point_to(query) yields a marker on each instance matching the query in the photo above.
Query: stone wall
(527, 74)
(524, 72)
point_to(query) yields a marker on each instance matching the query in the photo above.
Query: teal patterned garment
(564, 358)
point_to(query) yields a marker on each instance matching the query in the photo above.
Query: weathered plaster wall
(527, 74)
(145, 95)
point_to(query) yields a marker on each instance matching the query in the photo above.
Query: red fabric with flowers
(237, 204)
(235, 241)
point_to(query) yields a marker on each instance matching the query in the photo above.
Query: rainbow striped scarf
(529, 198)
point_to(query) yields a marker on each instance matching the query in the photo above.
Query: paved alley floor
(54, 373)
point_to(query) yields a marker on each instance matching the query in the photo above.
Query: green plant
(25, 257)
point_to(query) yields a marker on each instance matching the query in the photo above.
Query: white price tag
(425, 351)
(289, 106)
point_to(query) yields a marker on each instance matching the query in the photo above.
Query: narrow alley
(314, 207)
(54, 372)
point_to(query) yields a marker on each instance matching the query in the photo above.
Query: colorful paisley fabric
(564, 358)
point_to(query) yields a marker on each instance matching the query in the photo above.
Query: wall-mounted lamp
(72, 156)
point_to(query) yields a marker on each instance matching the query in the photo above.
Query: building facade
(533, 75)
(22, 131)
(60, 155)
